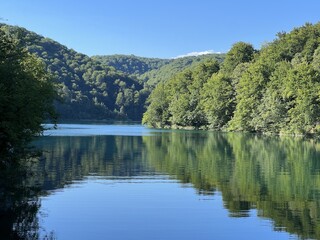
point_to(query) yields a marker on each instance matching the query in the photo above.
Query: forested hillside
(99, 87)
(151, 71)
(273, 90)
(132, 65)
(87, 88)
(175, 66)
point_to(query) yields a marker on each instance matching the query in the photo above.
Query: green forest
(272, 90)
(26, 95)
(99, 87)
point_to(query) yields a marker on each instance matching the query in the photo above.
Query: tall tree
(217, 100)
(26, 91)
(240, 52)
(157, 114)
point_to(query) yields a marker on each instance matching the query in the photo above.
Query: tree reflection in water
(19, 197)
(279, 177)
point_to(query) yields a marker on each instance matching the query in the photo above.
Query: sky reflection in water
(152, 184)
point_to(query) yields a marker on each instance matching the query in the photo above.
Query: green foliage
(181, 106)
(302, 92)
(271, 114)
(279, 91)
(316, 59)
(132, 65)
(175, 66)
(101, 87)
(275, 90)
(151, 71)
(26, 94)
(249, 92)
(88, 89)
(157, 114)
(239, 53)
(217, 100)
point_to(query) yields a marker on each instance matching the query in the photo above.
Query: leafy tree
(238, 72)
(217, 100)
(26, 92)
(302, 90)
(185, 90)
(316, 59)
(274, 90)
(248, 95)
(89, 86)
(157, 114)
(272, 113)
(239, 53)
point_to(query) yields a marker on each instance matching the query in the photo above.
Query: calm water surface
(130, 182)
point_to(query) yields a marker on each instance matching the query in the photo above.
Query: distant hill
(101, 87)
(151, 71)
(175, 66)
(131, 64)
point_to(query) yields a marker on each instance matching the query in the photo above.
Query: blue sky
(158, 28)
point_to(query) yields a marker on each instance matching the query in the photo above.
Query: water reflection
(19, 198)
(72, 158)
(279, 177)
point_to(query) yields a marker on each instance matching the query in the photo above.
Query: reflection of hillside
(71, 158)
(279, 177)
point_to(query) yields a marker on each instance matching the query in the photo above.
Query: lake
(131, 182)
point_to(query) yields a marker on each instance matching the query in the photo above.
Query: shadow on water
(19, 197)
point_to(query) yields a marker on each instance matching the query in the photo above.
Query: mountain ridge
(98, 87)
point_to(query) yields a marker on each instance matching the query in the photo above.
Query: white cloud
(196, 54)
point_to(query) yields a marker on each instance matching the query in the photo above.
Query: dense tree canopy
(274, 90)
(26, 94)
(132, 65)
(88, 89)
(177, 102)
(101, 87)
(279, 92)
(175, 66)
(239, 53)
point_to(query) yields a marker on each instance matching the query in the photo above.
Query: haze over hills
(100, 87)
